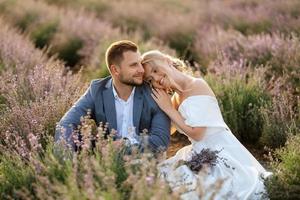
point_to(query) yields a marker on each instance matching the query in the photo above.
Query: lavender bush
(275, 52)
(280, 120)
(247, 49)
(241, 96)
(33, 102)
(285, 184)
(248, 17)
(100, 172)
(58, 29)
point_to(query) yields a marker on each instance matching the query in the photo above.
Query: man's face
(130, 70)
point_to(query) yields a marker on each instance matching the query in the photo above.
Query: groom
(122, 100)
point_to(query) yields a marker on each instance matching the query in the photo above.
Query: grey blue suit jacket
(99, 99)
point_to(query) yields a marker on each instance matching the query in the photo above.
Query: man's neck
(122, 90)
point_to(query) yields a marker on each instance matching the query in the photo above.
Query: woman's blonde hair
(150, 57)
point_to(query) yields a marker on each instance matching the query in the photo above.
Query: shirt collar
(116, 94)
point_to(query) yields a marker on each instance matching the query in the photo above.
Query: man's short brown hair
(114, 53)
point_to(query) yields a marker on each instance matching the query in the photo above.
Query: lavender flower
(206, 157)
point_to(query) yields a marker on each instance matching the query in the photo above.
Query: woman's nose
(156, 77)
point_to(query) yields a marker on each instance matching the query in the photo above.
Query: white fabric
(241, 173)
(124, 111)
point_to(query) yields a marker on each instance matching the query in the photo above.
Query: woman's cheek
(157, 85)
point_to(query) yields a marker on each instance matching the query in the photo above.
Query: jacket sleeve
(158, 137)
(159, 133)
(71, 119)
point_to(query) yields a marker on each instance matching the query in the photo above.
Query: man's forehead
(131, 55)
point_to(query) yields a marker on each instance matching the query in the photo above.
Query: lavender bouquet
(206, 157)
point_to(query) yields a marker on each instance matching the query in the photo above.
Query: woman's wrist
(171, 112)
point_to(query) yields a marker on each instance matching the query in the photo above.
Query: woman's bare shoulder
(200, 87)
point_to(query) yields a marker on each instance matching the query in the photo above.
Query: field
(50, 50)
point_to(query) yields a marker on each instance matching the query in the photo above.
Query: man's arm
(159, 137)
(71, 119)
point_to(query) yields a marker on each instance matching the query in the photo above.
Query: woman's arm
(164, 102)
(196, 133)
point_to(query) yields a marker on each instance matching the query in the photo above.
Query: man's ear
(115, 69)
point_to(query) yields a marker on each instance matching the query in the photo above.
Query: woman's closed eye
(149, 80)
(154, 70)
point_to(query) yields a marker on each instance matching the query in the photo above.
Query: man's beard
(130, 82)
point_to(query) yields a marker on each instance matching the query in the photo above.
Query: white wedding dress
(240, 172)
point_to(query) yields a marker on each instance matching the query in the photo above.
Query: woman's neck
(182, 83)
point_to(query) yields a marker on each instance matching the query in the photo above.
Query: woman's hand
(162, 99)
(164, 102)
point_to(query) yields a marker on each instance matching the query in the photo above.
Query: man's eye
(154, 71)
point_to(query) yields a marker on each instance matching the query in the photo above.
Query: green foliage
(99, 7)
(27, 20)
(15, 174)
(118, 167)
(181, 42)
(99, 70)
(285, 182)
(58, 162)
(2, 66)
(87, 175)
(5, 4)
(2, 104)
(60, 2)
(241, 102)
(274, 130)
(261, 59)
(131, 24)
(248, 28)
(69, 51)
(280, 121)
(36, 104)
(43, 33)
(294, 12)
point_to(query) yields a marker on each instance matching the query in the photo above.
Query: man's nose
(141, 69)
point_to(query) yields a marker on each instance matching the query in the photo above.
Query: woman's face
(157, 74)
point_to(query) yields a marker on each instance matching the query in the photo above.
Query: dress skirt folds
(238, 176)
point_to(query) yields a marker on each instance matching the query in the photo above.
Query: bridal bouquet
(206, 158)
(182, 175)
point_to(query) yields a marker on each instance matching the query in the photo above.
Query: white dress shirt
(124, 111)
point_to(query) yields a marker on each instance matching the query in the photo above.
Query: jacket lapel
(109, 105)
(137, 108)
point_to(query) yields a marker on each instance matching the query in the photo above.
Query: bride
(194, 111)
